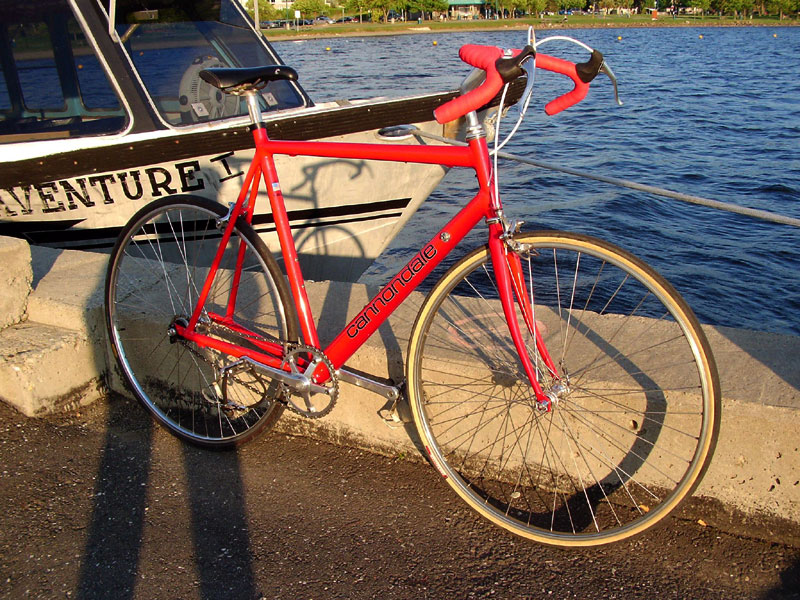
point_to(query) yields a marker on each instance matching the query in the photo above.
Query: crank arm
(296, 382)
(389, 392)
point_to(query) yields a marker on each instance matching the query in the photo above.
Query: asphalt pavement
(100, 503)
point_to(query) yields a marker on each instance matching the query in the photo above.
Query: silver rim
(632, 422)
(156, 277)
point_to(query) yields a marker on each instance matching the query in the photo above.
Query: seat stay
(250, 182)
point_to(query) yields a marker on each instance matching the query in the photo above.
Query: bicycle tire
(155, 271)
(632, 428)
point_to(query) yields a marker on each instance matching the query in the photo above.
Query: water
(716, 116)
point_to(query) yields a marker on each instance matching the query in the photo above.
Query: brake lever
(604, 68)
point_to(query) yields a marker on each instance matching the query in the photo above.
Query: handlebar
(501, 68)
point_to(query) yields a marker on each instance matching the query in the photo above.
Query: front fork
(510, 276)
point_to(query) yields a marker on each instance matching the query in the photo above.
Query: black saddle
(247, 79)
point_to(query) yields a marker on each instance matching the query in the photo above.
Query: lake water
(713, 112)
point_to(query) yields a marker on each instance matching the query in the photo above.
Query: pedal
(395, 413)
(390, 416)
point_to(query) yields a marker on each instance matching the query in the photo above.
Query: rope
(726, 206)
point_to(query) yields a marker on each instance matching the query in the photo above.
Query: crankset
(312, 400)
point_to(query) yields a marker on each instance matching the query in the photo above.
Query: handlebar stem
(475, 128)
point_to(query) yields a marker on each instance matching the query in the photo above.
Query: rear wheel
(155, 274)
(634, 411)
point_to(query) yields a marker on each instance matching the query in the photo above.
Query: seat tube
(288, 249)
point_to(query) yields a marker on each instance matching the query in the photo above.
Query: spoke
(158, 274)
(625, 426)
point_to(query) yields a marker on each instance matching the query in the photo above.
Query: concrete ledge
(44, 369)
(15, 280)
(69, 291)
(756, 467)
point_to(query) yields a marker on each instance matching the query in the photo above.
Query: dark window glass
(5, 100)
(51, 84)
(171, 41)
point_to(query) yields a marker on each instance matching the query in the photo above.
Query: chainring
(318, 399)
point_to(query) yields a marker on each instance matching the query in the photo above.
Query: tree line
(427, 9)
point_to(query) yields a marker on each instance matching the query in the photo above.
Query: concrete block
(44, 369)
(757, 367)
(15, 280)
(68, 290)
(756, 465)
(756, 461)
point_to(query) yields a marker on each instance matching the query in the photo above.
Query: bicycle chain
(283, 397)
(193, 350)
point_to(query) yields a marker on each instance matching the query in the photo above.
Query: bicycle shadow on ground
(116, 544)
(113, 544)
(133, 475)
(790, 584)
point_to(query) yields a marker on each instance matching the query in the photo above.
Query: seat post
(253, 108)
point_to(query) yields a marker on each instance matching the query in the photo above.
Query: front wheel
(635, 401)
(155, 274)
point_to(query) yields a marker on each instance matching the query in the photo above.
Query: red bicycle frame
(484, 205)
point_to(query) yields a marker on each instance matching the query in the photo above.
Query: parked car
(323, 20)
(393, 15)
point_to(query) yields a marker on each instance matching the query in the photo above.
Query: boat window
(170, 41)
(51, 83)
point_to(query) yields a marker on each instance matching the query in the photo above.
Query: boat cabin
(102, 110)
(85, 68)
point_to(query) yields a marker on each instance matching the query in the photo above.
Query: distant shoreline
(330, 32)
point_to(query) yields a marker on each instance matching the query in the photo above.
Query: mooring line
(726, 206)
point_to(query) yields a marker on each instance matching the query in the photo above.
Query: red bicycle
(560, 385)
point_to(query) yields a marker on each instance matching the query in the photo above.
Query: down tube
(406, 281)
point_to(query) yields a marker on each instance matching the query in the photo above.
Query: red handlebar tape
(484, 57)
(558, 65)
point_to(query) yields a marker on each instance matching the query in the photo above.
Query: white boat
(102, 110)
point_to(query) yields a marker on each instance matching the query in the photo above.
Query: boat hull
(133, 132)
(343, 212)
